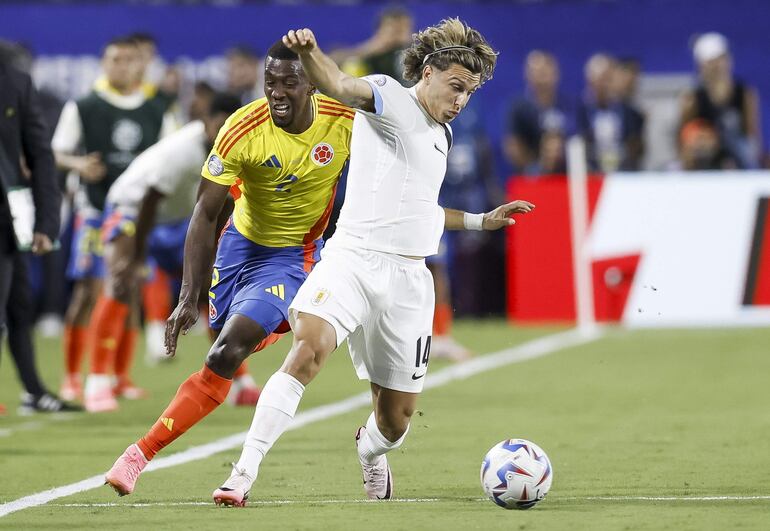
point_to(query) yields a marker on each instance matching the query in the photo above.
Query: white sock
(275, 411)
(373, 444)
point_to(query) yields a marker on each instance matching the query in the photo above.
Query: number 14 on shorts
(421, 358)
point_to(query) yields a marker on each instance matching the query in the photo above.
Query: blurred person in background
(97, 137)
(728, 104)
(552, 160)
(203, 93)
(160, 286)
(625, 81)
(243, 66)
(381, 52)
(29, 221)
(700, 148)
(157, 184)
(47, 270)
(542, 109)
(612, 133)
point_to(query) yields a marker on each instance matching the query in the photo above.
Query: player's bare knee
(225, 357)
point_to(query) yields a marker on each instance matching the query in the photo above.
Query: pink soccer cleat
(235, 491)
(378, 480)
(124, 473)
(98, 395)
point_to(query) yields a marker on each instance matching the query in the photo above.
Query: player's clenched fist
(300, 41)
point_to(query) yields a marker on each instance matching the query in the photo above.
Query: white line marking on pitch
(251, 502)
(672, 498)
(526, 351)
(414, 500)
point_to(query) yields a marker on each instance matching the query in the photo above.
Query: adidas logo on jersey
(272, 162)
(277, 291)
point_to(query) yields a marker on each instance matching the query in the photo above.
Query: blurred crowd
(718, 128)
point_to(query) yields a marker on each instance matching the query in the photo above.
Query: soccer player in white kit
(371, 286)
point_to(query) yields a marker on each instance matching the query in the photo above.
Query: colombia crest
(322, 154)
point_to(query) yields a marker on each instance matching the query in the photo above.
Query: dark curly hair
(480, 59)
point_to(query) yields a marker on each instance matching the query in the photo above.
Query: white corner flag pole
(577, 179)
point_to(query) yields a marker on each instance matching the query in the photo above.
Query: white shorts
(382, 304)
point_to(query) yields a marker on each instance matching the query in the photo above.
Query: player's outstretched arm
(492, 220)
(326, 75)
(199, 246)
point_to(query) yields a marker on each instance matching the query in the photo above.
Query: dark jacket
(23, 131)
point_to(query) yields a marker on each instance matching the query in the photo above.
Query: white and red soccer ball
(516, 474)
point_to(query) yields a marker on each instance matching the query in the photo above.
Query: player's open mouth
(281, 109)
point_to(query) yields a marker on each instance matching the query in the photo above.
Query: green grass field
(671, 414)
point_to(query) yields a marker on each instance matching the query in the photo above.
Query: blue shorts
(117, 221)
(257, 281)
(87, 251)
(165, 246)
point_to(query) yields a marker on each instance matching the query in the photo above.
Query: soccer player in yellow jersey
(282, 155)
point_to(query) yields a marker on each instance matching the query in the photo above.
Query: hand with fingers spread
(182, 319)
(300, 41)
(501, 216)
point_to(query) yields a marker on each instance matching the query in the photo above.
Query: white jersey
(172, 167)
(398, 159)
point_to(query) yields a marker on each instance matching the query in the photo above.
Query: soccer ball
(516, 474)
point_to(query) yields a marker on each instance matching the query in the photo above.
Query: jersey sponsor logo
(215, 166)
(380, 81)
(439, 149)
(322, 154)
(126, 134)
(168, 423)
(416, 376)
(320, 297)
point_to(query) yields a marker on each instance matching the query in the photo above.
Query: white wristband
(473, 221)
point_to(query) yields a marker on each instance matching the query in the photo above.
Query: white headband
(446, 49)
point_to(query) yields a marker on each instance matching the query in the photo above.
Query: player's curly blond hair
(450, 32)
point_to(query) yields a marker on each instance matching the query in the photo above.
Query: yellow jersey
(284, 183)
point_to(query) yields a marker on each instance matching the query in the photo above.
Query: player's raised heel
(235, 491)
(378, 479)
(124, 473)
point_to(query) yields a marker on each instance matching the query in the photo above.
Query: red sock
(108, 322)
(125, 353)
(74, 347)
(442, 320)
(198, 396)
(156, 296)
